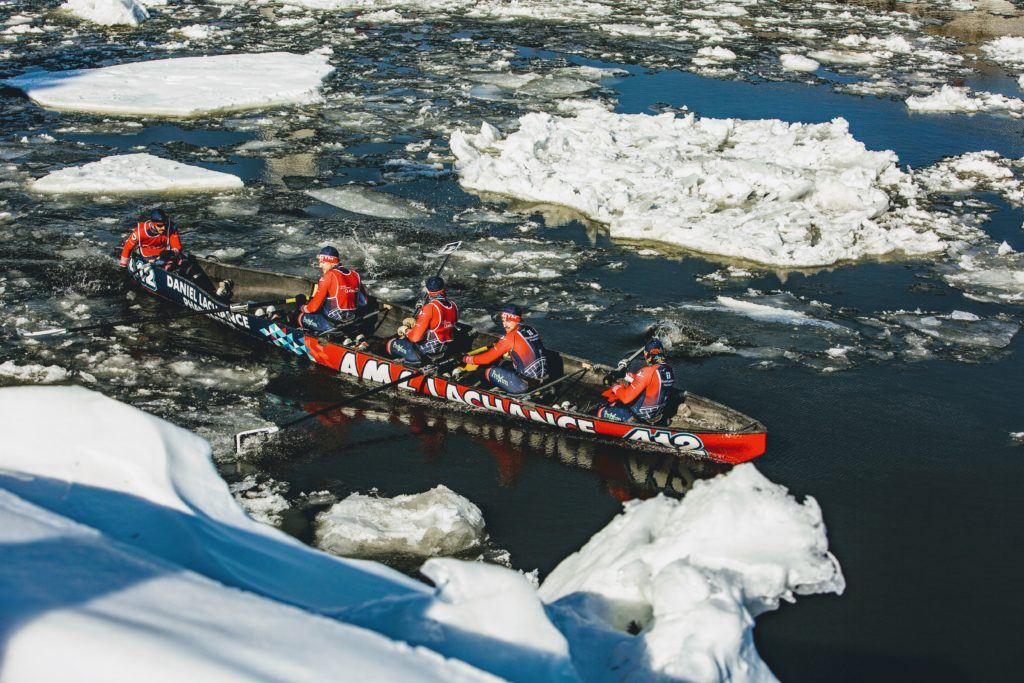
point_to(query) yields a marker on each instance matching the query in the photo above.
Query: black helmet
(159, 216)
(435, 284)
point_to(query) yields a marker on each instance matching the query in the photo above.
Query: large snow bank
(691, 575)
(132, 174)
(173, 577)
(435, 522)
(768, 191)
(108, 12)
(152, 486)
(77, 605)
(182, 86)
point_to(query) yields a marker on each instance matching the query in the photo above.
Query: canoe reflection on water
(625, 473)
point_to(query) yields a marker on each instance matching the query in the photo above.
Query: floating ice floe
(33, 373)
(768, 191)
(135, 174)
(436, 522)
(148, 559)
(182, 86)
(792, 62)
(358, 199)
(108, 12)
(971, 172)
(988, 273)
(690, 576)
(262, 499)
(1006, 50)
(951, 99)
(960, 328)
(765, 312)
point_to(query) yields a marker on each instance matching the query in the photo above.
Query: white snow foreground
(135, 174)
(108, 12)
(435, 522)
(791, 195)
(79, 605)
(183, 86)
(691, 575)
(150, 489)
(126, 558)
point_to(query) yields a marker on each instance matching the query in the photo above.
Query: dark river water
(904, 440)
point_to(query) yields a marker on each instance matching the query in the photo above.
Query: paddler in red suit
(432, 330)
(338, 297)
(527, 366)
(154, 238)
(642, 396)
(157, 241)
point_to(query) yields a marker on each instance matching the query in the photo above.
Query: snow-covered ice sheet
(793, 195)
(108, 12)
(432, 523)
(691, 575)
(78, 605)
(135, 174)
(183, 86)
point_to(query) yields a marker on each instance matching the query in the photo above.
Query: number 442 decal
(144, 272)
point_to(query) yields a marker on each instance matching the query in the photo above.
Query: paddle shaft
(624, 363)
(234, 308)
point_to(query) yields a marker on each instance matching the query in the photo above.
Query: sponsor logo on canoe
(382, 371)
(681, 440)
(197, 300)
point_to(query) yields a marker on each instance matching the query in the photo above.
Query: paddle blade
(252, 439)
(449, 248)
(43, 333)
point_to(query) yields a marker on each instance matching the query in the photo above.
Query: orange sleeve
(129, 244)
(319, 294)
(503, 346)
(175, 241)
(630, 392)
(423, 320)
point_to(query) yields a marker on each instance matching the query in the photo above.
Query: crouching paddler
(157, 241)
(526, 366)
(641, 397)
(337, 299)
(433, 329)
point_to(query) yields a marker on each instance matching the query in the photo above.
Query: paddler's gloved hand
(467, 360)
(402, 331)
(123, 262)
